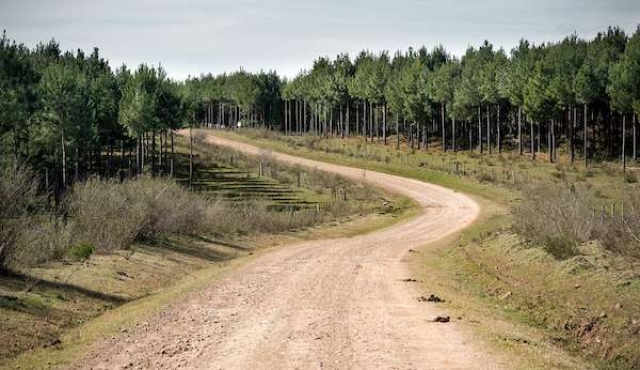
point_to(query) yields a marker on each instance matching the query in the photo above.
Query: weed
(81, 251)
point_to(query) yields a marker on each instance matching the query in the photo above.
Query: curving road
(329, 304)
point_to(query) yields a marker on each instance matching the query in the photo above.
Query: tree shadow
(210, 240)
(193, 250)
(17, 281)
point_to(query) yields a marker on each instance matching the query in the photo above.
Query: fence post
(613, 210)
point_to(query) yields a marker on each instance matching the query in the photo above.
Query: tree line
(567, 92)
(70, 115)
(582, 95)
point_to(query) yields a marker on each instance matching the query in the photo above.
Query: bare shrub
(556, 217)
(18, 200)
(560, 217)
(42, 239)
(621, 234)
(108, 215)
(112, 215)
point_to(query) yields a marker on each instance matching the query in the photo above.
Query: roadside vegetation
(110, 242)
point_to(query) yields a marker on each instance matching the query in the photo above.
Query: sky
(191, 37)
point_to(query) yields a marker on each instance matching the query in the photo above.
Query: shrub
(42, 239)
(108, 215)
(81, 251)
(559, 218)
(622, 234)
(112, 215)
(561, 246)
(18, 200)
(556, 217)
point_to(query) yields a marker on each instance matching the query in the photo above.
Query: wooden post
(613, 210)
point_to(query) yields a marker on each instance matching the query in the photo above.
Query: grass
(580, 312)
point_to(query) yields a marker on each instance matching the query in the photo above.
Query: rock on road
(328, 304)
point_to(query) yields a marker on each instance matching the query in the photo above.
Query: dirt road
(330, 304)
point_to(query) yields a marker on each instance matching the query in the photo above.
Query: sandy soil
(334, 304)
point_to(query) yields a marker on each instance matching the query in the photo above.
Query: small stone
(442, 319)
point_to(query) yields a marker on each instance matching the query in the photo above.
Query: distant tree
(624, 88)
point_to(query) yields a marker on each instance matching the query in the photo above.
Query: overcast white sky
(190, 37)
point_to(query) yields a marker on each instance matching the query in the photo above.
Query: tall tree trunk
(585, 150)
(635, 138)
(348, 123)
(480, 128)
(342, 130)
(425, 144)
(550, 139)
(287, 117)
(122, 155)
(533, 147)
(572, 139)
(138, 154)
(367, 123)
(624, 140)
(64, 159)
(304, 115)
(191, 155)
(173, 154)
(372, 128)
(539, 138)
(488, 128)
(162, 146)
(453, 134)
(498, 128)
(153, 153)
(384, 123)
(357, 126)
(76, 167)
(444, 135)
(397, 131)
(470, 134)
(520, 146)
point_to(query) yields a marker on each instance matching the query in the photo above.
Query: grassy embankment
(51, 311)
(580, 310)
